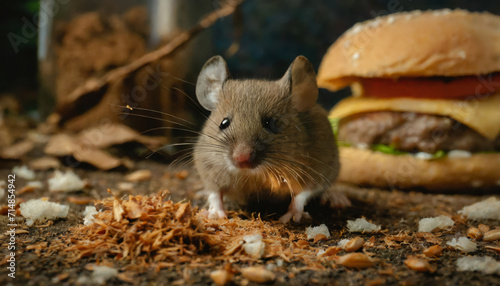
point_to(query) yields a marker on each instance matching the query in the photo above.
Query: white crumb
(24, 172)
(463, 244)
(102, 274)
(65, 182)
(40, 210)
(362, 225)
(253, 245)
(89, 213)
(487, 209)
(311, 232)
(431, 223)
(485, 264)
(343, 243)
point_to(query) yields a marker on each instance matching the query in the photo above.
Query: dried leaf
(60, 145)
(17, 150)
(97, 158)
(44, 163)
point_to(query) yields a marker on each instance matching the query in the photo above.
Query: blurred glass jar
(84, 39)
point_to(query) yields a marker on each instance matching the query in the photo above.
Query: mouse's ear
(209, 83)
(301, 79)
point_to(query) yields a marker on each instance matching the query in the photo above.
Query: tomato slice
(431, 87)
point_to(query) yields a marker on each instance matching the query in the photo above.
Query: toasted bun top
(414, 44)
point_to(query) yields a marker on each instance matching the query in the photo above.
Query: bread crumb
(431, 223)
(343, 243)
(487, 209)
(311, 232)
(24, 172)
(89, 213)
(254, 246)
(41, 210)
(65, 182)
(362, 225)
(485, 264)
(463, 244)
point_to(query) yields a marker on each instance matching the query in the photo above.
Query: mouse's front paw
(216, 208)
(296, 214)
(296, 208)
(216, 214)
(213, 214)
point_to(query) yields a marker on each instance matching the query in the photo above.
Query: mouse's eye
(270, 124)
(224, 124)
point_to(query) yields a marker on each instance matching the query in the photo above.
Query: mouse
(264, 137)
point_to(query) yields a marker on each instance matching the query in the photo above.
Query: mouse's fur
(298, 154)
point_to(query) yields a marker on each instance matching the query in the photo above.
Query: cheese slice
(479, 113)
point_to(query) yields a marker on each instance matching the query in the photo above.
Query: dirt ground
(397, 212)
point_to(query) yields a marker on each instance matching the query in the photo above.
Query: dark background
(270, 33)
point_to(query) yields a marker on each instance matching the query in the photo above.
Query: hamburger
(425, 104)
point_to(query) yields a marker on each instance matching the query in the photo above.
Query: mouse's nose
(243, 156)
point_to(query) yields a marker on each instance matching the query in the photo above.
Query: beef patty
(409, 131)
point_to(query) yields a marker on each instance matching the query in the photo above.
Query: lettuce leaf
(335, 125)
(387, 149)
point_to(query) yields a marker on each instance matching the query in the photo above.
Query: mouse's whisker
(159, 113)
(317, 160)
(187, 159)
(303, 168)
(156, 118)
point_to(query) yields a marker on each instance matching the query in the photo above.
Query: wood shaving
(419, 264)
(139, 175)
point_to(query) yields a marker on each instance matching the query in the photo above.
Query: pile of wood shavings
(151, 231)
(142, 229)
